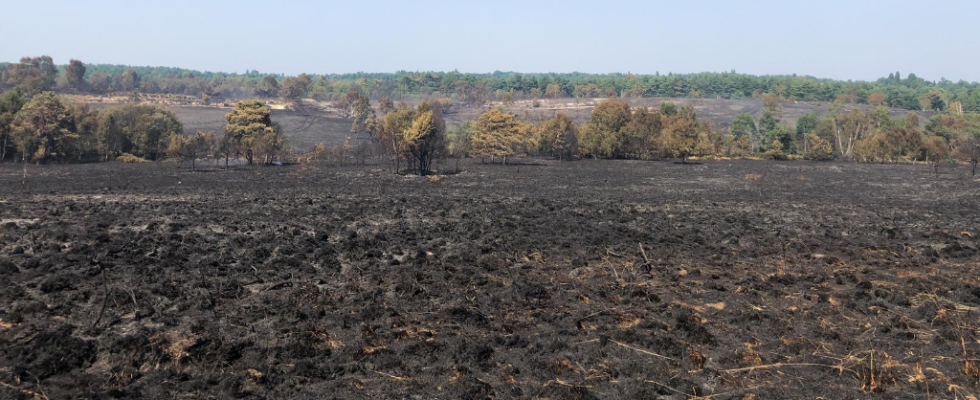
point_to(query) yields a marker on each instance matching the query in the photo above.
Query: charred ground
(605, 279)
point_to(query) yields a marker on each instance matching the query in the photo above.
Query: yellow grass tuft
(130, 159)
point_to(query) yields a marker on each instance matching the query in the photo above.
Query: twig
(644, 253)
(105, 296)
(724, 393)
(780, 365)
(397, 378)
(649, 353)
(667, 387)
(22, 391)
(40, 389)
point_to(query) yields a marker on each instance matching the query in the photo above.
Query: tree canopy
(35, 74)
(248, 125)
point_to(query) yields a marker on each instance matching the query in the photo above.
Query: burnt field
(579, 280)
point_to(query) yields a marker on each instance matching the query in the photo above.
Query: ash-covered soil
(580, 280)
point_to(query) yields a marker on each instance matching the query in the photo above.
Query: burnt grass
(576, 280)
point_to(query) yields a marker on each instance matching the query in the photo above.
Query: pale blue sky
(835, 39)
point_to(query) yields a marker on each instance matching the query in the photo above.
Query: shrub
(818, 149)
(775, 151)
(130, 159)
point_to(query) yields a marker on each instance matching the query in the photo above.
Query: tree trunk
(23, 181)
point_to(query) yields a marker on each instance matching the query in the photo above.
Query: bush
(818, 149)
(775, 151)
(130, 159)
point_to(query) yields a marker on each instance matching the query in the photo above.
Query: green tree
(10, 103)
(818, 148)
(459, 141)
(767, 123)
(87, 127)
(99, 83)
(45, 128)
(248, 123)
(848, 129)
(601, 136)
(390, 137)
(362, 111)
(781, 142)
(75, 74)
(140, 129)
(682, 137)
(806, 124)
(191, 147)
(129, 81)
(640, 136)
(268, 87)
(744, 126)
(32, 74)
(270, 145)
(933, 101)
(295, 88)
(557, 137)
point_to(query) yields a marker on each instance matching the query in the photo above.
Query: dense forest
(36, 74)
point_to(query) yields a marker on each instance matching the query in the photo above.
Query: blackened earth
(575, 280)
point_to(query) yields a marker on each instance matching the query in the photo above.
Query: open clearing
(589, 279)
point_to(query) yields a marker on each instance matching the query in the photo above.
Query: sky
(850, 40)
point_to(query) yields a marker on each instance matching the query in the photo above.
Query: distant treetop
(909, 92)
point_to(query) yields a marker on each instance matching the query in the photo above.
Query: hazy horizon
(860, 41)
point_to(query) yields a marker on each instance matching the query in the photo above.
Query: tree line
(45, 127)
(36, 74)
(416, 137)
